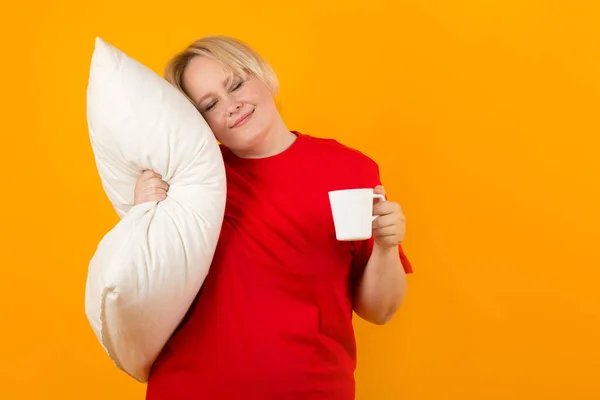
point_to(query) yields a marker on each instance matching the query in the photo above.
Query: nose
(233, 105)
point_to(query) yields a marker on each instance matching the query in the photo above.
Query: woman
(274, 317)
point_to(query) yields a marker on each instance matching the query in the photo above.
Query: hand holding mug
(357, 218)
(389, 226)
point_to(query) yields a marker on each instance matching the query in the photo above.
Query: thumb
(379, 190)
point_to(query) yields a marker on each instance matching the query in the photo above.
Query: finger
(155, 197)
(385, 221)
(154, 191)
(149, 174)
(387, 231)
(386, 207)
(156, 182)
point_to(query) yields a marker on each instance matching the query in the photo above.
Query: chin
(251, 135)
(247, 141)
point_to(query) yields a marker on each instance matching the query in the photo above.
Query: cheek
(217, 125)
(264, 100)
(258, 94)
(252, 96)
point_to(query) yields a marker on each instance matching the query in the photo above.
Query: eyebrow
(226, 82)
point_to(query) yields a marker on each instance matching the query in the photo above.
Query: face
(239, 112)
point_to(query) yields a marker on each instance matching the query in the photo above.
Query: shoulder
(338, 151)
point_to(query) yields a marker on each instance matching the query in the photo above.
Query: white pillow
(147, 270)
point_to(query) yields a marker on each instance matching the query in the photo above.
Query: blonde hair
(236, 57)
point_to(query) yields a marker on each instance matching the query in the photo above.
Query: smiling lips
(243, 119)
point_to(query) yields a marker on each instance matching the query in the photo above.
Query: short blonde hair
(236, 57)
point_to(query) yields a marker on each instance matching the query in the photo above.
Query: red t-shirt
(273, 319)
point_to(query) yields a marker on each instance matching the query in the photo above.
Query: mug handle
(380, 197)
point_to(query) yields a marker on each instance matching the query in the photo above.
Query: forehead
(203, 73)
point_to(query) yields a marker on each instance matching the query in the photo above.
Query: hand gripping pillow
(147, 270)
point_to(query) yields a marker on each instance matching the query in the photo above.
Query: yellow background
(484, 117)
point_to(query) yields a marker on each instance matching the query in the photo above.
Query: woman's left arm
(382, 287)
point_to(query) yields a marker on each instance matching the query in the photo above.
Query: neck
(275, 141)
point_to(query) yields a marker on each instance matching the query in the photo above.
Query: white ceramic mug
(352, 211)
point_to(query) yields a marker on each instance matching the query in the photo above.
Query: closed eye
(237, 86)
(210, 106)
